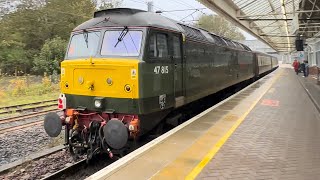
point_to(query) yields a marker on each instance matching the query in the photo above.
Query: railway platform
(269, 130)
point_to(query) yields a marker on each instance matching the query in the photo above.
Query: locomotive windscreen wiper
(124, 32)
(85, 36)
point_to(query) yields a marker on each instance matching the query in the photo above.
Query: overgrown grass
(22, 90)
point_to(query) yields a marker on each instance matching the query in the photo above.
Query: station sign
(299, 55)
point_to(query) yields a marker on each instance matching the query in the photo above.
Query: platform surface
(268, 131)
(276, 141)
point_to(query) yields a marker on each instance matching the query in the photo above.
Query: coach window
(158, 46)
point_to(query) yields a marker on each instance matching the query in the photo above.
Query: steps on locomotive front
(176, 153)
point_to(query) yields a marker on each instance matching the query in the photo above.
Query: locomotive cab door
(158, 80)
(177, 58)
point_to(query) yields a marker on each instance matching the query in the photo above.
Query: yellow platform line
(194, 173)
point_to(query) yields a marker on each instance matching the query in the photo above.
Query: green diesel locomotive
(127, 71)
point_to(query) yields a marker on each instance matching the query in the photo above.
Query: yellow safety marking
(194, 173)
(230, 117)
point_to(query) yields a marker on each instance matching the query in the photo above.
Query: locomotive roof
(262, 53)
(120, 17)
(128, 17)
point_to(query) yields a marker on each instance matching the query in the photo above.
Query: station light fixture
(285, 23)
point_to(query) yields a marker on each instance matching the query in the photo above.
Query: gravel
(23, 142)
(40, 168)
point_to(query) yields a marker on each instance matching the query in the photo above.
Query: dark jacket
(302, 66)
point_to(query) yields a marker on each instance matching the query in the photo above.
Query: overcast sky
(167, 5)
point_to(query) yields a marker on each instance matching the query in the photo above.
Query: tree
(12, 55)
(220, 26)
(107, 4)
(25, 25)
(52, 53)
(21, 36)
(4, 7)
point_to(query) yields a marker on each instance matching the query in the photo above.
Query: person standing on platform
(303, 68)
(296, 65)
(306, 66)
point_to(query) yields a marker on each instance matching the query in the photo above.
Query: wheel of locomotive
(159, 129)
(89, 156)
(73, 151)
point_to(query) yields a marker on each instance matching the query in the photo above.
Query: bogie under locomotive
(127, 71)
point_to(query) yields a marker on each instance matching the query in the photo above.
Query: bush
(18, 87)
(44, 88)
(2, 95)
(46, 82)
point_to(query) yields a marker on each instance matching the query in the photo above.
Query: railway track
(23, 118)
(43, 154)
(26, 107)
(61, 173)
(82, 169)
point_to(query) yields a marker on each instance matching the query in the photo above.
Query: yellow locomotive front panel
(100, 77)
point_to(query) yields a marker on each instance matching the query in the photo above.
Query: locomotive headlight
(98, 103)
(127, 88)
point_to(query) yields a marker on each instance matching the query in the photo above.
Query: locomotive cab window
(83, 45)
(121, 43)
(158, 46)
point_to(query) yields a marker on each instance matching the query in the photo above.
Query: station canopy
(278, 23)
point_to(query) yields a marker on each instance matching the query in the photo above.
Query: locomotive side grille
(193, 33)
(125, 11)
